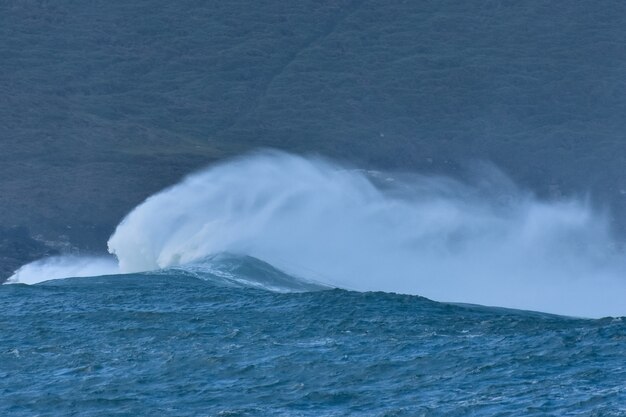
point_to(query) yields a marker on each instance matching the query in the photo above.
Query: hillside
(103, 103)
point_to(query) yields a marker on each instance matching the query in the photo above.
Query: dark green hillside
(104, 102)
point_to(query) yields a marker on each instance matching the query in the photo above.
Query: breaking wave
(488, 243)
(63, 267)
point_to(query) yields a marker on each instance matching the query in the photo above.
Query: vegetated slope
(105, 102)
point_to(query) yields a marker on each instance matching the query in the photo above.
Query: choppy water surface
(187, 344)
(214, 333)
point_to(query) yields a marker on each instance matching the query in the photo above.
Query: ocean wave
(486, 243)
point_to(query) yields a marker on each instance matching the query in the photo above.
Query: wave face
(488, 243)
(244, 272)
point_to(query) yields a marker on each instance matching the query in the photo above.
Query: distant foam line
(63, 267)
(487, 243)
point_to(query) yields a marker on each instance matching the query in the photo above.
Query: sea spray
(419, 235)
(484, 242)
(64, 266)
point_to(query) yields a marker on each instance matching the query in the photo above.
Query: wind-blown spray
(429, 236)
(435, 237)
(63, 267)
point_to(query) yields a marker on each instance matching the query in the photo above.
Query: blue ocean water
(243, 339)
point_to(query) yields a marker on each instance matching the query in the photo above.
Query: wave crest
(486, 244)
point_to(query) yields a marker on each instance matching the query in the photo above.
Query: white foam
(64, 267)
(488, 244)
